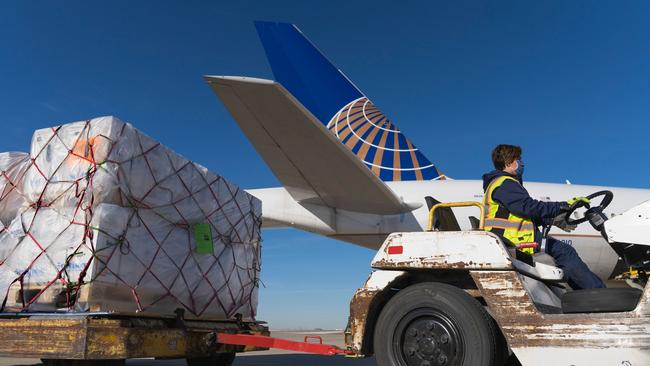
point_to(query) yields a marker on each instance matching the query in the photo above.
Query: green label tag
(203, 238)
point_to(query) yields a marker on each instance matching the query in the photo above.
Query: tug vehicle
(466, 298)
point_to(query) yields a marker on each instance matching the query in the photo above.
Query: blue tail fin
(323, 89)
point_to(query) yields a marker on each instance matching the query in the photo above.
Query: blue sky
(568, 81)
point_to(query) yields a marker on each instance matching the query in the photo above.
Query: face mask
(520, 168)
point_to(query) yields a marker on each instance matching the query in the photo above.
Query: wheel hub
(430, 340)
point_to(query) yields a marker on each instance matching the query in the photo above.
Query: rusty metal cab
(523, 303)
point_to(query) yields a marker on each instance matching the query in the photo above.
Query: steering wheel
(607, 199)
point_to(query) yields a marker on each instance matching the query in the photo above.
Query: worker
(512, 214)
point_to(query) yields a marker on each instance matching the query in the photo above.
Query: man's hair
(503, 155)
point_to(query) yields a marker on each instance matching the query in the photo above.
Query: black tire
(502, 355)
(434, 324)
(218, 359)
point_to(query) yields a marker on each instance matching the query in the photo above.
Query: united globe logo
(374, 139)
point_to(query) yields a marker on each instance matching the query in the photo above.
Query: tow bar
(270, 342)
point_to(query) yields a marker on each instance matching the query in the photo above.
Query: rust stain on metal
(42, 338)
(110, 338)
(432, 262)
(525, 326)
(473, 292)
(359, 309)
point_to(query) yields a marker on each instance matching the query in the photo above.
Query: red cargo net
(236, 277)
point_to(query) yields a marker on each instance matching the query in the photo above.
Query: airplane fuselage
(370, 230)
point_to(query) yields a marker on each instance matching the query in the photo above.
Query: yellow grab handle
(433, 209)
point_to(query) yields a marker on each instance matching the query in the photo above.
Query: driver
(511, 213)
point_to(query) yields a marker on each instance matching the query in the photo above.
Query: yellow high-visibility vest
(500, 221)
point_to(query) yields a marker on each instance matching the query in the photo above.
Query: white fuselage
(369, 230)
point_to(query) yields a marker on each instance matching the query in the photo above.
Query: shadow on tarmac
(298, 359)
(272, 360)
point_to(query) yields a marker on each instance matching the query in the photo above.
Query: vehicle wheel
(218, 359)
(61, 362)
(502, 352)
(430, 324)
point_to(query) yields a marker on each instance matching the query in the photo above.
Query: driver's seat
(601, 300)
(445, 220)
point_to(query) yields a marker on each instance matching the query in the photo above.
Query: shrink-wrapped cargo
(131, 260)
(127, 168)
(115, 221)
(12, 169)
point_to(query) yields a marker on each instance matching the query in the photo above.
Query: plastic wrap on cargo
(12, 169)
(128, 168)
(118, 222)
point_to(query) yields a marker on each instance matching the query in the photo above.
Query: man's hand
(578, 199)
(560, 221)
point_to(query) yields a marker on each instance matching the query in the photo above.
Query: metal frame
(455, 204)
(101, 336)
(269, 342)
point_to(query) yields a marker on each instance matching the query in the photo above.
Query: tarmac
(261, 358)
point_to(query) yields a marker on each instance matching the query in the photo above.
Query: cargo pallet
(111, 338)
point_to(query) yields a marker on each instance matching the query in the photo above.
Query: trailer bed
(116, 336)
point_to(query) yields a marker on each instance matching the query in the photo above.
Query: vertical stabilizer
(330, 96)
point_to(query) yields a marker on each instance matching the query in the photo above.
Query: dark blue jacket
(515, 198)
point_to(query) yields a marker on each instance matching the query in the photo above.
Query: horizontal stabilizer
(308, 159)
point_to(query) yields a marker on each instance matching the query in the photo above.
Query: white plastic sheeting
(12, 169)
(115, 221)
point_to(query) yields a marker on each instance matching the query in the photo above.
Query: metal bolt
(442, 359)
(413, 332)
(411, 351)
(444, 338)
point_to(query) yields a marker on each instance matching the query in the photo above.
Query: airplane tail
(332, 98)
